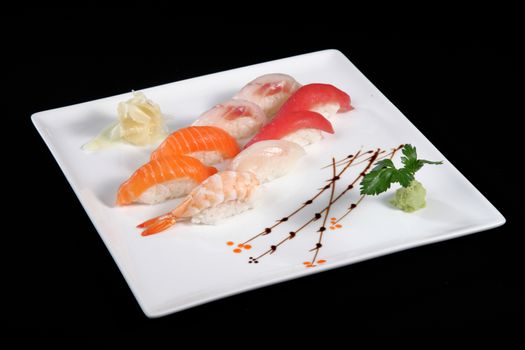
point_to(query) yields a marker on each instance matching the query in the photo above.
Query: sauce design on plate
(367, 158)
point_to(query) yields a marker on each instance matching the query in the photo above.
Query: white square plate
(192, 264)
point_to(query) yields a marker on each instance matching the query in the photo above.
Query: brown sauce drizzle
(346, 162)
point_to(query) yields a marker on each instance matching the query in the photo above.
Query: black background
(461, 88)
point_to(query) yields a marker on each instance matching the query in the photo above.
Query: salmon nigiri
(303, 128)
(325, 99)
(162, 179)
(209, 144)
(221, 195)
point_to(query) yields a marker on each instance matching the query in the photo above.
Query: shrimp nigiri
(162, 179)
(269, 91)
(221, 195)
(208, 144)
(268, 159)
(239, 118)
(324, 99)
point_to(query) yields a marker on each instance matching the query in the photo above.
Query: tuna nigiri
(239, 118)
(268, 159)
(269, 91)
(162, 179)
(221, 195)
(209, 144)
(302, 127)
(321, 98)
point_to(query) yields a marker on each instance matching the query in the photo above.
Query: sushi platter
(220, 184)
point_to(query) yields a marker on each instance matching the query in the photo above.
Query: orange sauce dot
(229, 243)
(247, 246)
(307, 263)
(322, 261)
(240, 245)
(333, 219)
(237, 250)
(332, 228)
(338, 225)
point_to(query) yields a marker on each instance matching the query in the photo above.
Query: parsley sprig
(385, 173)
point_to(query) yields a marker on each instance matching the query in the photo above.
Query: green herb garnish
(385, 173)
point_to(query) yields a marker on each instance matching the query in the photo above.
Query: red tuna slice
(287, 122)
(314, 96)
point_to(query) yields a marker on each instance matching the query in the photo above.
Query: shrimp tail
(157, 224)
(163, 222)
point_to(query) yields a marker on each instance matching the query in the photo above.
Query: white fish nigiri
(268, 159)
(269, 91)
(239, 118)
